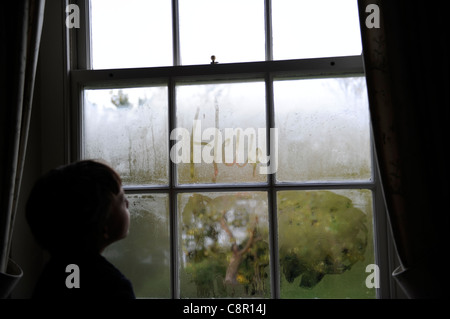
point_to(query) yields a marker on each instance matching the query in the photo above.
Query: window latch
(213, 59)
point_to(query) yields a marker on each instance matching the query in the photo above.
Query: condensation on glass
(128, 129)
(144, 255)
(223, 245)
(222, 121)
(130, 34)
(324, 130)
(325, 243)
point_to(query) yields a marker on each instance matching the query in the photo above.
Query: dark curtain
(407, 70)
(21, 25)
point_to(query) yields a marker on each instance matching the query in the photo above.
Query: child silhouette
(75, 212)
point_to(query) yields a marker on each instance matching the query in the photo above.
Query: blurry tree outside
(224, 240)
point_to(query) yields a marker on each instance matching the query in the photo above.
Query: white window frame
(78, 52)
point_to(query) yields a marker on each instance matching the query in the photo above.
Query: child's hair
(68, 206)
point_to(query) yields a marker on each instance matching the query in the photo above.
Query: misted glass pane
(128, 128)
(324, 130)
(314, 29)
(232, 30)
(325, 242)
(224, 245)
(131, 33)
(221, 133)
(144, 255)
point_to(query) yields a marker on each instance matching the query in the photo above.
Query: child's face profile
(118, 221)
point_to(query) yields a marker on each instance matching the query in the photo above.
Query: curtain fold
(407, 74)
(21, 27)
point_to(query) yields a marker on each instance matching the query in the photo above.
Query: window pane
(232, 30)
(314, 29)
(324, 130)
(233, 152)
(144, 255)
(325, 241)
(131, 33)
(128, 129)
(224, 245)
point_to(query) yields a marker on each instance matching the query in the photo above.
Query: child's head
(80, 206)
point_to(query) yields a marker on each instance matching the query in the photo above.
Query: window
(249, 174)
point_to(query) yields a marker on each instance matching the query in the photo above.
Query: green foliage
(209, 226)
(320, 233)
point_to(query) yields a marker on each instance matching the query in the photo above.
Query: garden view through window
(207, 219)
